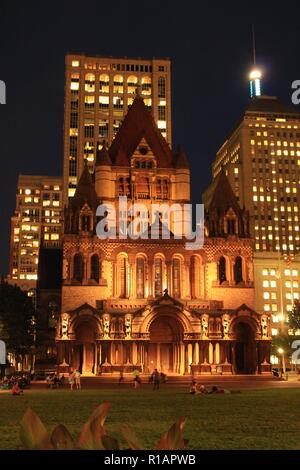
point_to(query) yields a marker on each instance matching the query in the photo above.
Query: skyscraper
(261, 158)
(37, 221)
(98, 93)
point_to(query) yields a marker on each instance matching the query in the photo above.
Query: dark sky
(210, 49)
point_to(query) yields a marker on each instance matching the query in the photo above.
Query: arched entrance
(244, 348)
(166, 335)
(84, 348)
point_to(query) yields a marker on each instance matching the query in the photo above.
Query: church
(151, 303)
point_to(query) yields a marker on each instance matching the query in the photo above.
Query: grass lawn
(264, 419)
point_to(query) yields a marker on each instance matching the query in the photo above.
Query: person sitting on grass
(16, 389)
(216, 389)
(203, 389)
(193, 388)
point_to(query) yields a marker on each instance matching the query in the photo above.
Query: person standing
(72, 380)
(77, 380)
(136, 378)
(156, 379)
(121, 377)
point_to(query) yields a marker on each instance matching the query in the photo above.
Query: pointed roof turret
(221, 196)
(102, 157)
(181, 159)
(138, 124)
(85, 191)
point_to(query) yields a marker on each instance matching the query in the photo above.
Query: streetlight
(281, 351)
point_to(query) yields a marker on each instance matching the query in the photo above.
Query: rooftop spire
(255, 74)
(253, 46)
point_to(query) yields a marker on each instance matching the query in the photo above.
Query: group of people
(202, 390)
(156, 378)
(75, 379)
(15, 383)
(55, 381)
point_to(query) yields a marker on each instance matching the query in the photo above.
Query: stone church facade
(151, 303)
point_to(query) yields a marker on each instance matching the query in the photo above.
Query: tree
(294, 319)
(16, 319)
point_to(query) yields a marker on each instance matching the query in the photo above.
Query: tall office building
(261, 158)
(37, 222)
(98, 93)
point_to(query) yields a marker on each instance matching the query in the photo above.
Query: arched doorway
(166, 335)
(244, 348)
(84, 349)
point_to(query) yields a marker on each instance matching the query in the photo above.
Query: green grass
(265, 419)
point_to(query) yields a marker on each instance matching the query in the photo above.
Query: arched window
(85, 223)
(90, 83)
(104, 83)
(222, 270)
(123, 277)
(143, 187)
(78, 267)
(176, 277)
(161, 87)
(140, 277)
(231, 226)
(118, 84)
(238, 270)
(162, 188)
(132, 84)
(95, 268)
(158, 279)
(146, 86)
(195, 277)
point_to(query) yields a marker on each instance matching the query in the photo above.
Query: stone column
(134, 353)
(189, 355)
(217, 353)
(211, 353)
(158, 365)
(196, 353)
(181, 358)
(95, 358)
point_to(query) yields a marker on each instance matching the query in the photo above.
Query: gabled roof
(139, 123)
(158, 230)
(85, 191)
(220, 196)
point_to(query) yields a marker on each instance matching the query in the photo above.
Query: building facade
(149, 302)
(261, 158)
(37, 221)
(98, 93)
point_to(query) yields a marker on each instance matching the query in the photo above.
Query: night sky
(211, 52)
